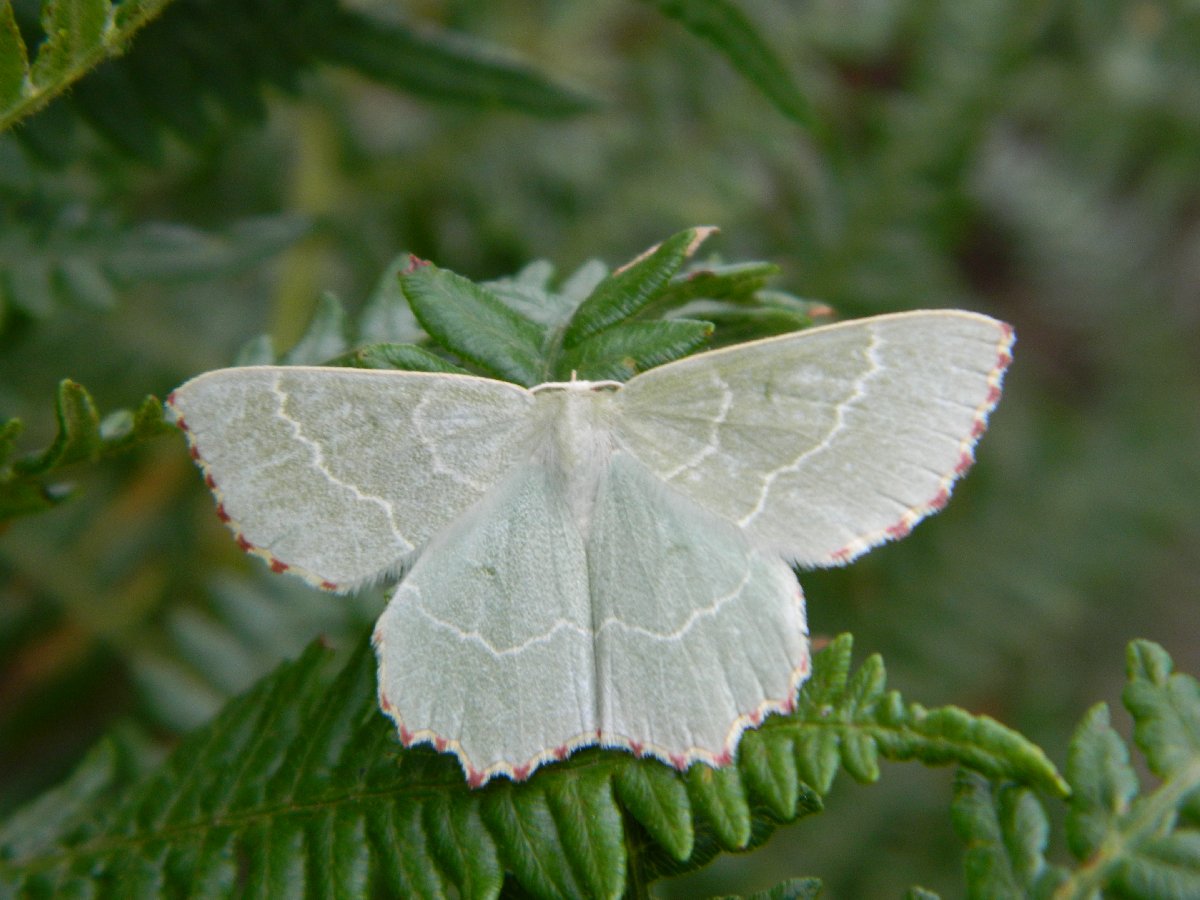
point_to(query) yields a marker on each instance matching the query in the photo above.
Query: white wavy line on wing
(318, 461)
(839, 425)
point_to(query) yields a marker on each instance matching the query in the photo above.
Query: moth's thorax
(582, 387)
(576, 437)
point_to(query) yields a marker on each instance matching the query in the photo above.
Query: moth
(602, 563)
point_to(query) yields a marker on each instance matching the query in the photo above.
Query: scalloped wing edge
(518, 772)
(273, 562)
(966, 458)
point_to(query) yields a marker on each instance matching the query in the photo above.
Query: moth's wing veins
(826, 442)
(339, 474)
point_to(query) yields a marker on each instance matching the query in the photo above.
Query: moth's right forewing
(823, 443)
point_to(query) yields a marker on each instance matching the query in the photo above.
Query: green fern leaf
(1103, 783)
(623, 350)
(207, 654)
(726, 27)
(325, 336)
(852, 719)
(1135, 845)
(629, 289)
(90, 260)
(78, 437)
(217, 55)
(737, 281)
(386, 317)
(303, 770)
(1127, 844)
(658, 801)
(530, 294)
(73, 28)
(101, 778)
(502, 327)
(408, 357)
(735, 299)
(720, 798)
(446, 67)
(78, 35)
(773, 313)
(324, 339)
(81, 437)
(1005, 831)
(563, 840)
(507, 328)
(10, 430)
(14, 63)
(474, 324)
(172, 252)
(1166, 712)
(769, 768)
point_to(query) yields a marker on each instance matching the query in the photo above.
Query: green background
(1038, 161)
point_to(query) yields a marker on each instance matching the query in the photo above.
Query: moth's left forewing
(823, 443)
(338, 475)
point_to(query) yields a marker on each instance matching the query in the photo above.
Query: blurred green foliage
(1034, 160)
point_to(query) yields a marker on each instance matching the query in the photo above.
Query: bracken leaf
(1004, 829)
(14, 63)
(633, 286)
(73, 28)
(301, 786)
(406, 357)
(1165, 707)
(726, 27)
(1128, 844)
(444, 66)
(1103, 783)
(856, 720)
(622, 351)
(471, 322)
(325, 336)
(734, 281)
(78, 35)
(209, 60)
(81, 437)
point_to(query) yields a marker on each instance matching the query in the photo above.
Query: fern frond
(1127, 843)
(1005, 829)
(518, 327)
(303, 770)
(189, 668)
(726, 27)
(443, 66)
(226, 51)
(52, 253)
(25, 483)
(79, 34)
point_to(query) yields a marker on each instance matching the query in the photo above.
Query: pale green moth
(595, 562)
